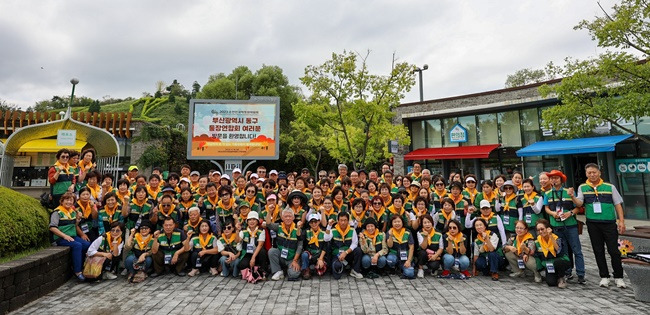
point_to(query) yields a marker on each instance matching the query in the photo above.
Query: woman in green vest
(455, 248)
(140, 243)
(509, 208)
(139, 209)
(109, 245)
(374, 248)
(532, 205)
(439, 192)
(63, 225)
(550, 255)
(185, 202)
(488, 254)
(109, 213)
(87, 226)
(61, 176)
(338, 200)
(358, 215)
(488, 193)
(204, 249)
(252, 239)
(401, 247)
(378, 212)
(431, 246)
(519, 252)
(315, 247)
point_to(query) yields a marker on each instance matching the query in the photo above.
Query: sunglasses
(283, 189)
(250, 191)
(64, 157)
(166, 206)
(376, 203)
(267, 186)
(229, 227)
(440, 184)
(332, 177)
(453, 228)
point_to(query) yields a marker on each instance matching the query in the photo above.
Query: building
(493, 133)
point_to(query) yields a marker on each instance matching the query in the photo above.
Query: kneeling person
(289, 244)
(169, 249)
(316, 248)
(344, 242)
(203, 250)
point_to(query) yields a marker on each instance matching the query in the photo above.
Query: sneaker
(516, 274)
(214, 271)
(538, 277)
(306, 274)
(495, 276)
(355, 274)
(434, 272)
(420, 273)
(620, 283)
(124, 272)
(81, 277)
(109, 276)
(604, 282)
(569, 277)
(561, 283)
(581, 280)
(183, 274)
(193, 273)
(277, 276)
(466, 274)
(445, 274)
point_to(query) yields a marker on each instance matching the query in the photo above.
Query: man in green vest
(169, 249)
(560, 204)
(603, 204)
(289, 247)
(344, 247)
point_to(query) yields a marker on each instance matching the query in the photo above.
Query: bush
(23, 223)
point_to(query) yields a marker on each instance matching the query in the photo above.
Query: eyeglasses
(64, 157)
(229, 227)
(332, 177)
(267, 187)
(166, 206)
(453, 228)
(440, 184)
(225, 195)
(250, 191)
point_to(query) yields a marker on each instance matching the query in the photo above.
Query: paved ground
(389, 295)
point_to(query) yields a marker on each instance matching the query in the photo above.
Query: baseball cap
(215, 172)
(255, 175)
(133, 167)
(485, 204)
(271, 196)
(225, 176)
(184, 179)
(313, 216)
(253, 215)
(195, 173)
(273, 172)
(236, 170)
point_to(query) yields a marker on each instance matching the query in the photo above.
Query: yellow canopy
(48, 146)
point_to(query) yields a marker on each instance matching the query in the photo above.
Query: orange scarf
(530, 198)
(94, 191)
(387, 200)
(205, 240)
(380, 213)
(507, 205)
(142, 243)
(109, 239)
(456, 240)
(194, 226)
(447, 216)
(359, 218)
(430, 235)
(137, 203)
(491, 196)
(547, 246)
(121, 196)
(443, 195)
(64, 167)
(341, 232)
(456, 200)
(187, 204)
(171, 210)
(296, 209)
(153, 192)
(398, 235)
(291, 228)
(480, 238)
(372, 237)
(66, 212)
(338, 205)
(222, 206)
(472, 193)
(314, 237)
(82, 165)
(600, 182)
(110, 212)
(226, 239)
(394, 211)
(521, 240)
(87, 210)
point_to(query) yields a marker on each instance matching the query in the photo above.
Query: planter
(637, 240)
(639, 274)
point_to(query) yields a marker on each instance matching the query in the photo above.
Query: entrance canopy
(573, 146)
(43, 136)
(452, 153)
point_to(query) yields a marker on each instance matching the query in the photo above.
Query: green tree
(4, 106)
(94, 107)
(612, 88)
(526, 76)
(196, 87)
(350, 108)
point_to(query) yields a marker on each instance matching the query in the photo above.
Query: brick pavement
(170, 294)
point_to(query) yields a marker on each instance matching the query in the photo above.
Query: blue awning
(573, 146)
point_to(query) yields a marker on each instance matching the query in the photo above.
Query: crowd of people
(373, 223)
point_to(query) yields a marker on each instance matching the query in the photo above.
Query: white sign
(66, 138)
(458, 133)
(394, 146)
(633, 165)
(22, 161)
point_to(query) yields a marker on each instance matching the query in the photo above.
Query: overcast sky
(121, 48)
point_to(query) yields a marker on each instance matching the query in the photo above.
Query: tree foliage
(94, 107)
(612, 88)
(349, 110)
(526, 76)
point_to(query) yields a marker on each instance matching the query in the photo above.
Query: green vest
(312, 248)
(171, 245)
(195, 243)
(560, 198)
(403, 246)
(136, 212)
(287, 241)
(604, 197)
(247, 240)
(542, 260)
(104, 247)
(434, 240)
(229, 247)
(341, 243)
(530, 217)
(509, 217)
(63, 182)
(67, 225)
(105, 219)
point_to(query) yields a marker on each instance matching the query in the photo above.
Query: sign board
(633, 165)
(22, 161)
(65, 138)
(230, 165)
(393, 146)
(458, 133)
(234, 129)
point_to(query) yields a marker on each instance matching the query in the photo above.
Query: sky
(122, 48)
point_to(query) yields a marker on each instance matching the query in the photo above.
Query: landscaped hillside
(157, 110)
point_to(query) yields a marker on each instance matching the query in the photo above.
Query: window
(447, 124)
(530, 126)
(488, 132)
(469, 123)
(643, 125)
(510, 128)
(434, 133)
(417, 134)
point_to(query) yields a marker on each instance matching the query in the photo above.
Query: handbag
(581, 226)
(93, 267)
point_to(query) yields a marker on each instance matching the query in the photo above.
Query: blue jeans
(225, 267)
(448, 262)
(366, 262)
(78, 249)
(571, 238)
(392, 261)
(489, 263)
(128, 263)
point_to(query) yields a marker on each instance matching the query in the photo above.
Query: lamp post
(419, 70)
(75, 81)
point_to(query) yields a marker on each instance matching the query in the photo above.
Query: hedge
(23, 223)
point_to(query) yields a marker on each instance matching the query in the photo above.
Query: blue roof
(573, 146)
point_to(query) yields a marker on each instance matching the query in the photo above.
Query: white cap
(236, 170)
(313, 216)
(215, 172)
(272, 196)
(195, 173)
(485, 204)
(470, 179)
(273, 172)
(225, 176)
(184, 179)
(261, 179)
(253, 215)
(255, 175)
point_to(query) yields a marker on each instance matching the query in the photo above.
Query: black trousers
(423, 259)
(207, 261)
(262, 261)
(602, 234)
(560, 266)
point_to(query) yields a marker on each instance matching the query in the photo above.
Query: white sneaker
(516, 274)
(278, 275)
(620, 283)
(604, 282)
(420, 273)
(538, 277)
(109, 276)
(124, 272)
(193, 273)
(355, 274)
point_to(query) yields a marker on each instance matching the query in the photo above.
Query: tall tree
(351, 108)
(526, 76)
(612, 88)
(94, 107)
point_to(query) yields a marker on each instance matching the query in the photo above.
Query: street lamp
(75, 81)
(419, 70)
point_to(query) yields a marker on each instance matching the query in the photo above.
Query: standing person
(532, 205)
(63, 225)
(61, 177)
(509, 208)
(603, 205)
(560, 204)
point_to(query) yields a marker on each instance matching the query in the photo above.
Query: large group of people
(362, 223)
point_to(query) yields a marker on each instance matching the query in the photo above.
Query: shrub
(23, 223)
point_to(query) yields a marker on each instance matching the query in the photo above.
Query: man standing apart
(603, 204)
